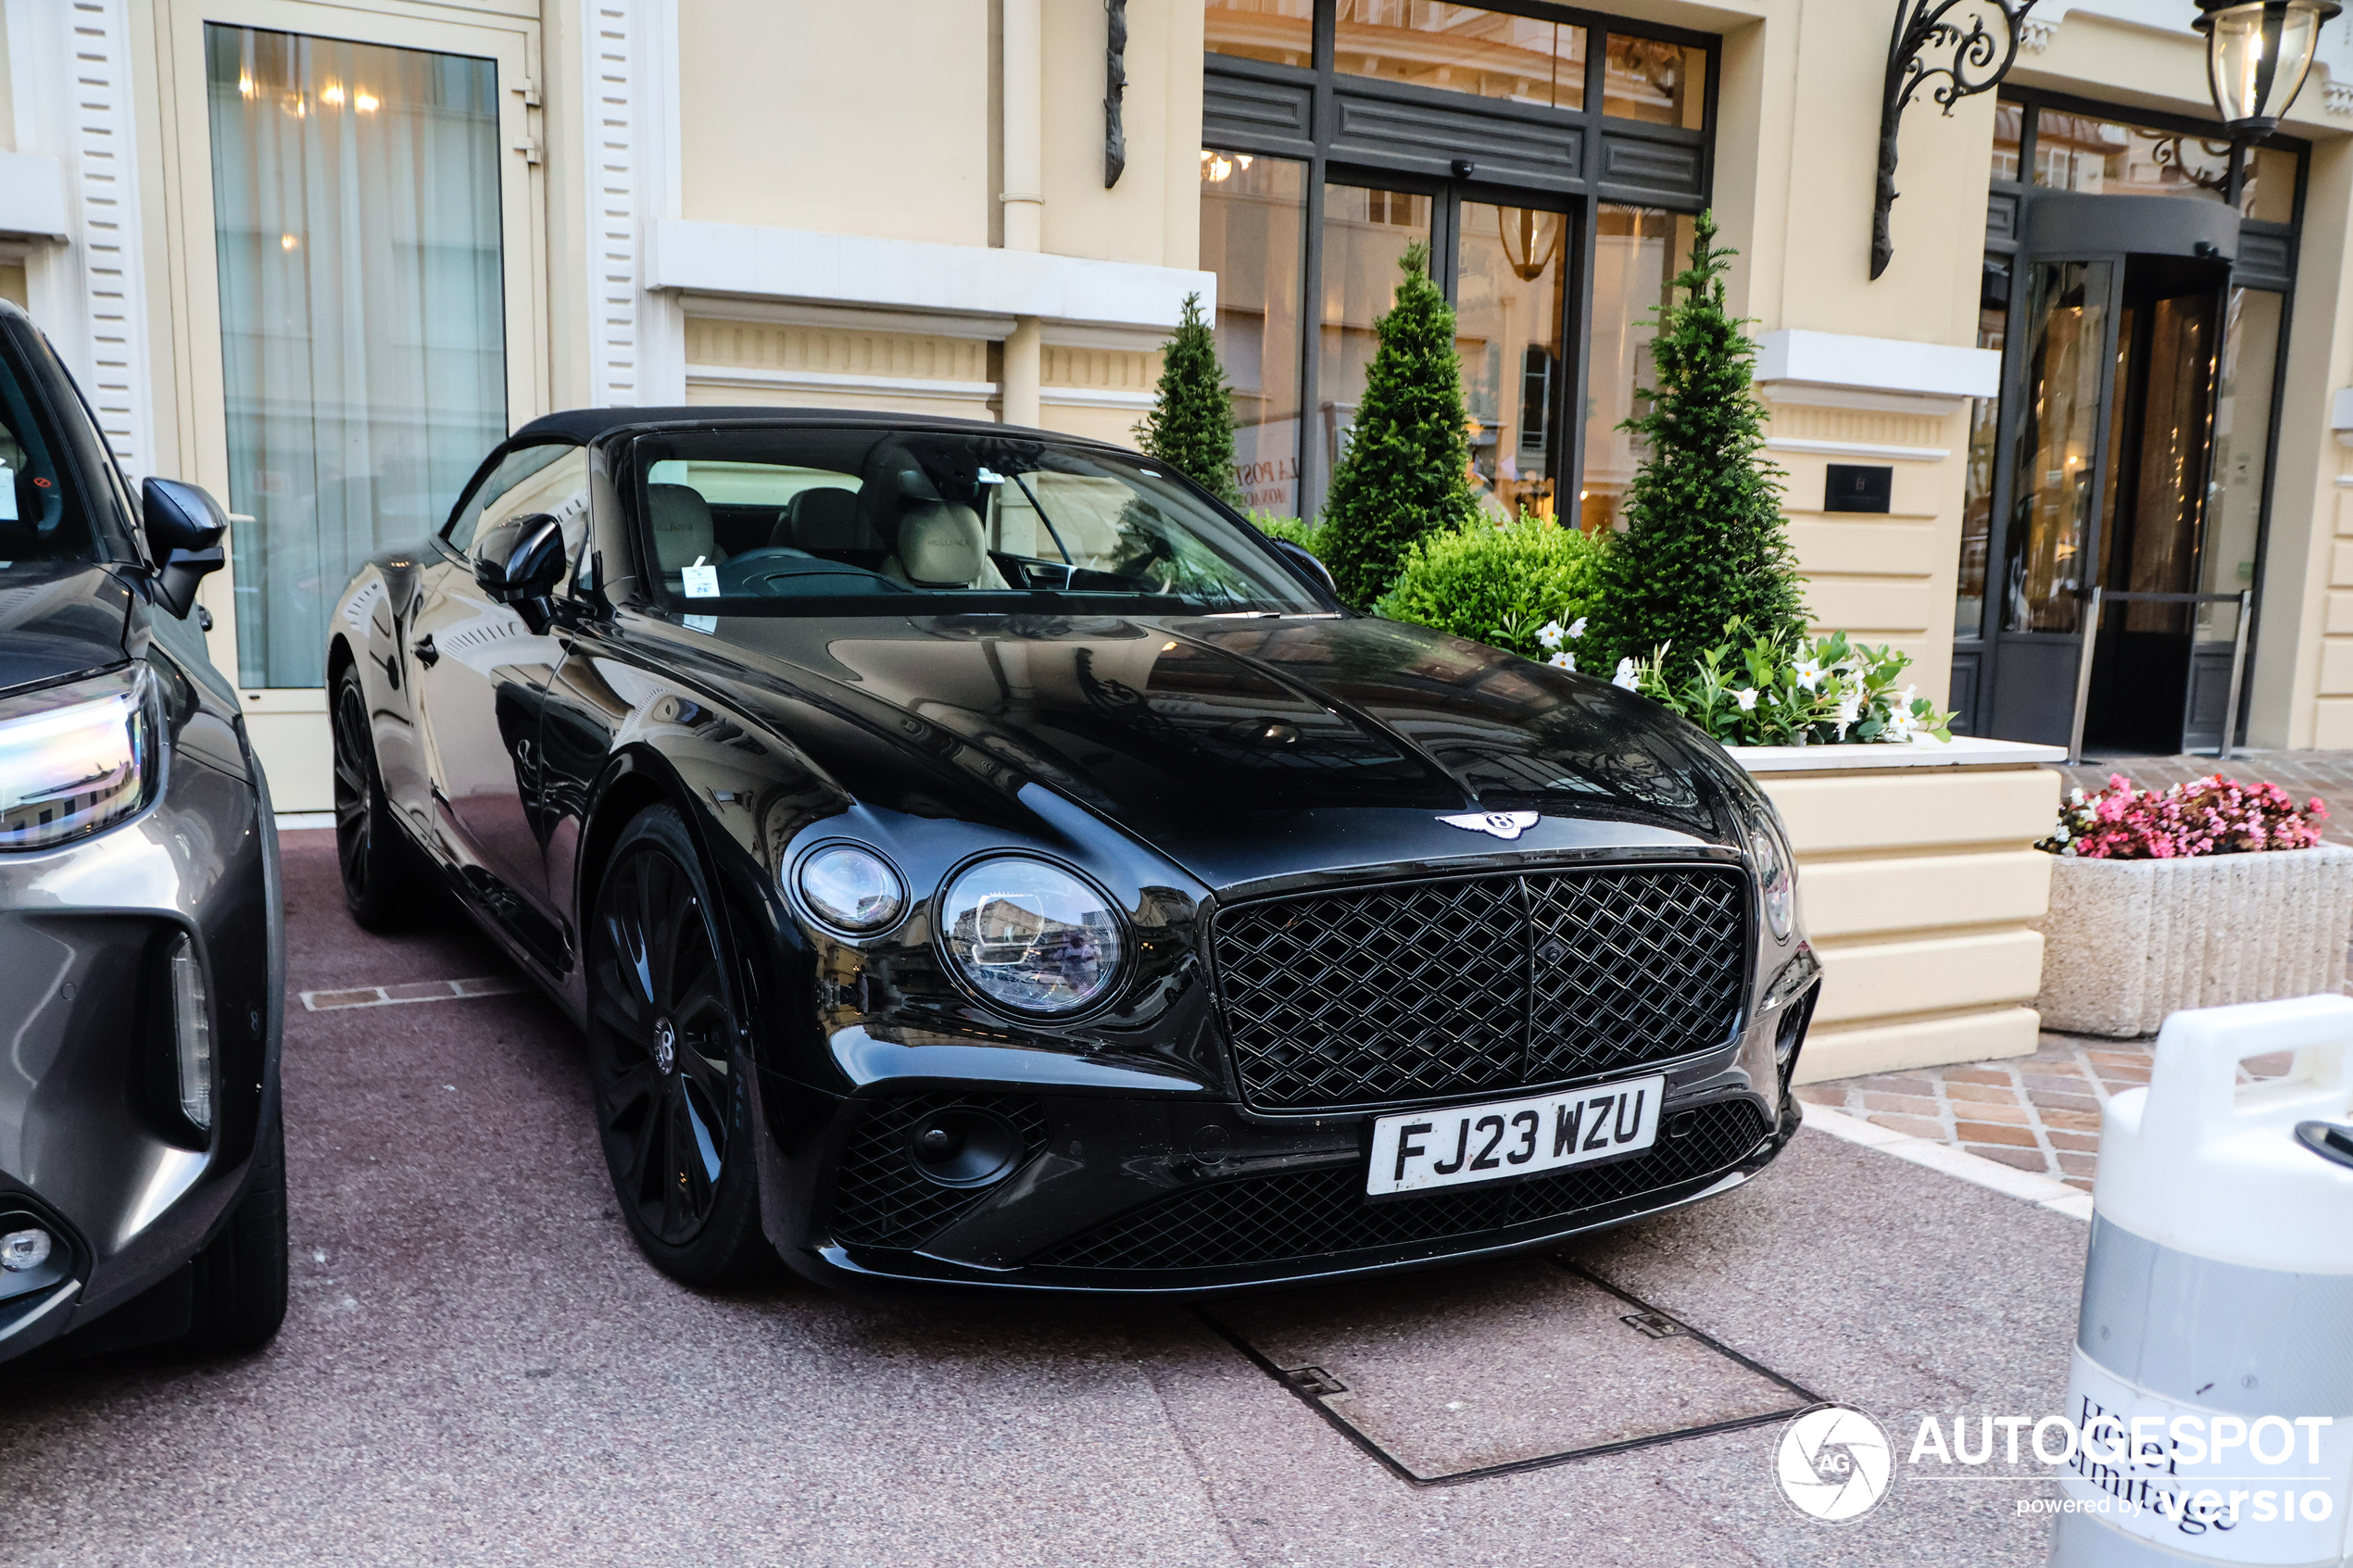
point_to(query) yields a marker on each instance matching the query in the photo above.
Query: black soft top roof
(584, 425)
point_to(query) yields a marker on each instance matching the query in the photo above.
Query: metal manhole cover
(1449, 1377)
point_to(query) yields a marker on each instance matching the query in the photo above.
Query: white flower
(1625, 676)
(1550, 633)
(1809, 673)
(1901, 726)
(1563, 661)
(2075, 798)
(1577, 627)
(1746, 698)
(1850, 707)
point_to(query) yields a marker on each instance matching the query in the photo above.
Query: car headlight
(1030, 936)
(75, 759)
(851, 888)
(1769, 853)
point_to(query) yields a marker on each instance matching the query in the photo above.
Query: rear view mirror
(518, 562)
(184, 527)
(1305, 561)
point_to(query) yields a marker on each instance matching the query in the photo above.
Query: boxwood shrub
(1499, 584)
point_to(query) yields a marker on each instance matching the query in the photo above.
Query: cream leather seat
(683, 531)
(941, 546)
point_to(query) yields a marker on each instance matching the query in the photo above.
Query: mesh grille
(1388, 995)
(880, 1199)
(1316, 1213)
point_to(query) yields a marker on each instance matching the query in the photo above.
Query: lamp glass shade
(2258, 55)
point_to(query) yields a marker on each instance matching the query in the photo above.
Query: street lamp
(2258, 54)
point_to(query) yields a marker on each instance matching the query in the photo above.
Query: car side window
(512, 470)
(559, 486)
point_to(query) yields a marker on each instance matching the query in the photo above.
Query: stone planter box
(2128, 941)
(1921, 894)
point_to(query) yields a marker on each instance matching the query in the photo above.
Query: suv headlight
(1031, 936)
(76, 759)
(1776, 867)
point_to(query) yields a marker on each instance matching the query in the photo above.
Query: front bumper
(1129, 1185)
(91, 1146)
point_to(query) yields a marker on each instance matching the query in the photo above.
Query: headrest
(824, 520)
(939, 545)
(682, 526)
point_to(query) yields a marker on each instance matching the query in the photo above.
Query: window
(1281, 33)
(2100, 157)
(1462, 49)
(890, 517)
(1253, 233)
(556, 483)
(1316, 178)
(356, 214)
(512, 470)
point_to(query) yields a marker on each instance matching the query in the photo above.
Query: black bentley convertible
(976, 856)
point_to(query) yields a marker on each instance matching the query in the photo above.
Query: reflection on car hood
(59, 619)
(1176, 726)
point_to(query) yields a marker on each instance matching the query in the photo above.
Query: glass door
(1503, 259)
(359, 219)
(1511, 264)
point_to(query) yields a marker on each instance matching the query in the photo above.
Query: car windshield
(41, 517)
(843, 520)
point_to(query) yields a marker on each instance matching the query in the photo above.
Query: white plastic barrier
(2213, 1369)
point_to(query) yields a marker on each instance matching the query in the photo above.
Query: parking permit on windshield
(1460, 1145)
(699, 582)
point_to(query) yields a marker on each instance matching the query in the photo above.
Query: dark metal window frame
(1304, 115)
(2006, 221)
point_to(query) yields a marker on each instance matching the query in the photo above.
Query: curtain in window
(362, 331)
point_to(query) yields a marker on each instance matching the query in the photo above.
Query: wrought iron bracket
(1929, 43)
(1114, 91)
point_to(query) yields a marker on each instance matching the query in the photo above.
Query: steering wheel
(742, 574)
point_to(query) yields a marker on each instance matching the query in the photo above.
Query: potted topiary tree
(1406, 473)
(1191, 424)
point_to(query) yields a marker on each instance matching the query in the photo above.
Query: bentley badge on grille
(1503, 824)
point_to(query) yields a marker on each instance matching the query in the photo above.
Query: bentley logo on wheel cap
(665, 1045)
(1503, 824)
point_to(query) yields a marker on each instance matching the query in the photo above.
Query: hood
(1186, 731)
(59, 619)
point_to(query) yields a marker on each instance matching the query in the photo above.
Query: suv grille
(1393, 994)
(1316, 1213)
(880, 1199)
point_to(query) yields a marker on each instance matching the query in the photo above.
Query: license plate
(1416, 1150)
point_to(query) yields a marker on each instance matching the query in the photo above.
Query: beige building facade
(318, 256)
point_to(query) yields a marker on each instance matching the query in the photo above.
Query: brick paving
(2039, 1113)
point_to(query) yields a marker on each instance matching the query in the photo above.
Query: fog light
(191, 1031)
(20, 1250)
(964, 1148)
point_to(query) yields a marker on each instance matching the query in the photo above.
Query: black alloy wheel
(674, 1108)
(378, 882)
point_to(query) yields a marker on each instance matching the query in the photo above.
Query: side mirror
(184, 527)
(518, 562)
(1305, 561)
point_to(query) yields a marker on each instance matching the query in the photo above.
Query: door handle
(427, 655)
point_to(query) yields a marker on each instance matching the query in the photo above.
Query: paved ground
(479, 1368)
(2039, 1113)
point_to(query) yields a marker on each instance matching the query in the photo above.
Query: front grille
(880, 1199)
(1303, 1215)
(1393, 994)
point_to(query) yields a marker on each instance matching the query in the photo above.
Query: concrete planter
(1920, 891)
(2128, 941)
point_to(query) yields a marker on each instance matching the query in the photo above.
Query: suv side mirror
(184, 527)
(518, 562)
(1300, 557)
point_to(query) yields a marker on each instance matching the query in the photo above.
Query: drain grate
(1451, 1377)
